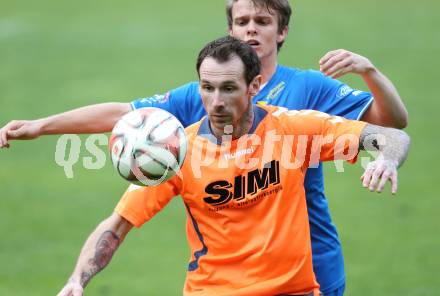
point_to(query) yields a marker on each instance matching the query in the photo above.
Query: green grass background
(57, 55)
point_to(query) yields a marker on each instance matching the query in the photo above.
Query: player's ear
(283, 34)
(254, 86)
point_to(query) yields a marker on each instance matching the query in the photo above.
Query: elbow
(404, 120)
(403, 117)
(403, 123)
(400, 121)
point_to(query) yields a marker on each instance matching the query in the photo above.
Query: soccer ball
(148, 146)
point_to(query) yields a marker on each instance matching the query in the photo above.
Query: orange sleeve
(328, 137)
(140, 204)
(345, 144)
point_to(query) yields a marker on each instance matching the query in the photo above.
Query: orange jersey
(247, 223)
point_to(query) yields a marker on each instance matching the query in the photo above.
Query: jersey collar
(206, 132)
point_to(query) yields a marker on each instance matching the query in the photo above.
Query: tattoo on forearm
(86, 276)
(392, 143)
(104, 250)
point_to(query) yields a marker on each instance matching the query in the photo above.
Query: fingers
(71, 290)
(17, 129)
(339, 62)
(335, 62)
(3, 139)
(394, 183)
(376, 176)
(329, 55)
(384, 178)
(341, 72)
(366, 177)
(4, 133)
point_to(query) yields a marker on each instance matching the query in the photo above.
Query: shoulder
(184, 97)
(274, 116)
(190, 87)
(309, 75)
(300, 73)
(294, 120)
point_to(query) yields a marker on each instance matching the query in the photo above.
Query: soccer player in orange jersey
(242, 185)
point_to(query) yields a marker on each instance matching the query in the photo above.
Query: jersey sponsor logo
(238, 153)
(274, 92)
(159, 99)
(356, 93)
(222, 192)
(344, 91)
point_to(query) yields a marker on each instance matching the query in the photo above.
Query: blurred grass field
(57, 55)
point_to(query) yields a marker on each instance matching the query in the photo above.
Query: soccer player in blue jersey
(264, 25)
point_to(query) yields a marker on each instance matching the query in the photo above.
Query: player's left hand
(71, 289)
(19, 130)
(337, 63)
(378, 172)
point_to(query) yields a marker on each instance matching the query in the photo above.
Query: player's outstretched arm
(96, 253)
(393, 146)
(387, 108)
(97, 118)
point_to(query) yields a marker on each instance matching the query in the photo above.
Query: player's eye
(207, 87)
(229, 89)
(240, 22)
(263, 21)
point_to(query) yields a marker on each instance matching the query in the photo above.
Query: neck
(268, 68)
(240, 128)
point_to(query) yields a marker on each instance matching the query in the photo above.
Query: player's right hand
(19, 130)
(337, 63)
(378, 172)
(71, 289)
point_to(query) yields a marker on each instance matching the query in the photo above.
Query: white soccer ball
(148, 146)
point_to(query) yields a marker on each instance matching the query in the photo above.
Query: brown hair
(225, 48)
(280, 7)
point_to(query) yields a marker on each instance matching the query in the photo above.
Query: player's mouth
(254, 43)
(220, 117)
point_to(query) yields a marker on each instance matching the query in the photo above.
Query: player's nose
(217, 100)
(251, 28)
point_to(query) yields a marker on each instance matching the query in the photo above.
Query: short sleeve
(325, 137)
(336, 98)
(140, 204)
(183, 102)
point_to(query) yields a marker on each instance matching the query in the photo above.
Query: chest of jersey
(241, 174)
